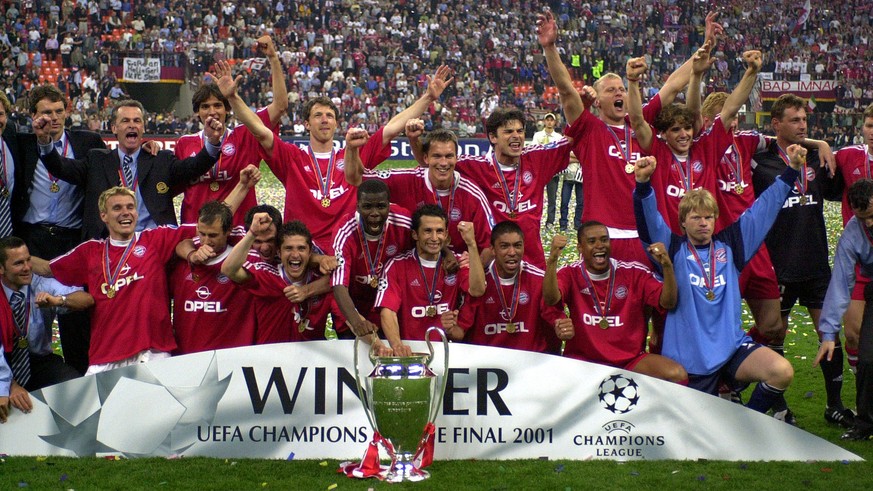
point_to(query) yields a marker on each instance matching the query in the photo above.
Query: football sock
(763, 397)
(832, 370)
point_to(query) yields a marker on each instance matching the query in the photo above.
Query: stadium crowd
(368, 56)
(673, 229)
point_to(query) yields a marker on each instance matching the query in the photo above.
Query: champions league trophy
(401, 402)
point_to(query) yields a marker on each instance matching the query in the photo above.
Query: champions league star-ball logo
(618, 394)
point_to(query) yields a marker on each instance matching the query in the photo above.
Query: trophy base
(405, 472)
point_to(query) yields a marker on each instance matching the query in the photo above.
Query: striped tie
(126, 162)
(20, 354)
(5, 200)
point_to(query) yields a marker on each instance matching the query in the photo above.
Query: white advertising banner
(299, 400)
(142, 70)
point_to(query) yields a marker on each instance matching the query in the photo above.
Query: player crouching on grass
(704, 332)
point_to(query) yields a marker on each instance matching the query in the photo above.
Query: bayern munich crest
(621, 292)
(228, 149)
(139, 251)
(527, 177)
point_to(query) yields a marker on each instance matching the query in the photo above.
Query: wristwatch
(63, 300)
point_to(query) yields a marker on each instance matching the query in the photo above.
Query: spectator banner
(299, 400)
(822, 89)
(141, 70)
(400, 149)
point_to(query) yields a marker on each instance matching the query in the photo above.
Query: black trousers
(864, 377)
(49, 242)
(48, 370)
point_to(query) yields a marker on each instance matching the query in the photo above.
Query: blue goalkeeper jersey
(703, 332)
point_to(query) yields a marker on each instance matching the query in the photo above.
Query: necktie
(60, 146)
(5, 200)
(20, 354)
(126, 162)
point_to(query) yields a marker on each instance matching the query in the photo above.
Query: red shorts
(629, 366)
(860, 282)
(629, 250)
(758, 278)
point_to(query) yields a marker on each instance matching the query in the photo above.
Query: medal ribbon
(738, 168)
(801, 184)
(439, 202)
(324, 183)
(625, 152)
(431, 290)
(509, 197)
(110, 279)
(516, 292)
(126, 184)
(372, 261)
(602, 308)
(708, 278)
(53, 179)
(686, 173)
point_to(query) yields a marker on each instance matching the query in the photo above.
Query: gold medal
(803, 200)
(54, 187)
(213, 186)
(430, 311)
(710, 295)
(512, 215)
(604, 324)
(739, 188)
(374, 281)
(4, 193)
(510, 327)
(195, 277)
(110, 292)
(23, 343)
(325, 202)
(629, 168)
(304, 325)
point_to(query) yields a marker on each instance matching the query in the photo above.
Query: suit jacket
(25, 151)
(156, 174)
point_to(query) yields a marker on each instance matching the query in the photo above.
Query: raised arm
(700, 63)
(228, 86)
(477, 272)
(280, 91)
(636, 67)
(248, 178)
(669, 290)
(551, 292)
(741, 92)
(232, 267)
(414, 130)
(354, 166)
(435, 87)
(547, 34)
(677, 80)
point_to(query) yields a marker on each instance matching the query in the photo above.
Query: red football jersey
(603, 152)
(411, 188)
(239, 149)
(280, 319)
(734, 173)
(304, 196)
(624, 337)
(353, 270)
(488, 320)
(855, 163)
(516, 193)
(404, 289)
(137, 315)
(209, 310)
(673, 176)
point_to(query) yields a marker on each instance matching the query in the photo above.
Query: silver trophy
(401, 396)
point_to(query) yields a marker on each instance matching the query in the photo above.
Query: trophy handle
(361, 395)
(445, 375)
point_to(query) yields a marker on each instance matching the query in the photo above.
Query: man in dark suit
(151, 177)
(46, 211)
